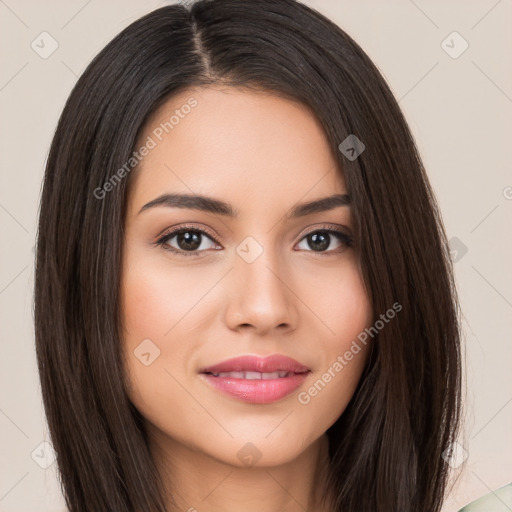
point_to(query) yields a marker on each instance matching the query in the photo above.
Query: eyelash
(330, 229)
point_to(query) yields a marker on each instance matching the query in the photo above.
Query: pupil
(188, 240)
(320, 241)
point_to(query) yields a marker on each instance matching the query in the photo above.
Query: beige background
(460, 110)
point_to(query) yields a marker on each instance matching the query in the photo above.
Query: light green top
(495, 501)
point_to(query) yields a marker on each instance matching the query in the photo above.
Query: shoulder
(499, 500)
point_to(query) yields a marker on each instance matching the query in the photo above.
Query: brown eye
(321, 240)
(187, 241)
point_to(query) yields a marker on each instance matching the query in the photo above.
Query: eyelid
(310, 229)
(327, 227)
(179, 227)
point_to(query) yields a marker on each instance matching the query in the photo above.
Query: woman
(244, 298)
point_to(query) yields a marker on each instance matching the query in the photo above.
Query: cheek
(342, 305)
(151, 308)
(158, 301)
(146, 313)
(150, 302)
(345, 311)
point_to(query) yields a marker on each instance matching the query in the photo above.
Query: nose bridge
(257, 265)
(262, 296)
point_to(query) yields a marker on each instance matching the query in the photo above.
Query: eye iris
(319, 241)
(188, 240)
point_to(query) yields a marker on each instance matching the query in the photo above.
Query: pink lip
(258, 391)
(268, 364)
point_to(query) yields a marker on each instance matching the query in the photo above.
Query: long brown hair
(386, 448)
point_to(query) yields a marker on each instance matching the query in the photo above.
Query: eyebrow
(211, 205)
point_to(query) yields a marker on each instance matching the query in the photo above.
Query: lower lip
(257, 391)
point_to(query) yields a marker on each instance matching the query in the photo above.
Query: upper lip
(248, 363)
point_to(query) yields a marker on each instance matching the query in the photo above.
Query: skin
(263, 154)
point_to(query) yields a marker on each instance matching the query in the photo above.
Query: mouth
(276, 365)
(255, 379)
(254, 375)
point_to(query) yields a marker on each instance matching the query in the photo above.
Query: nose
(261, 296)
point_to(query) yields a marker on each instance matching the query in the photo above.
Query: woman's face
(260, 277)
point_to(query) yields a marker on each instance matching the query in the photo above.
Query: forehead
(229, 142)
